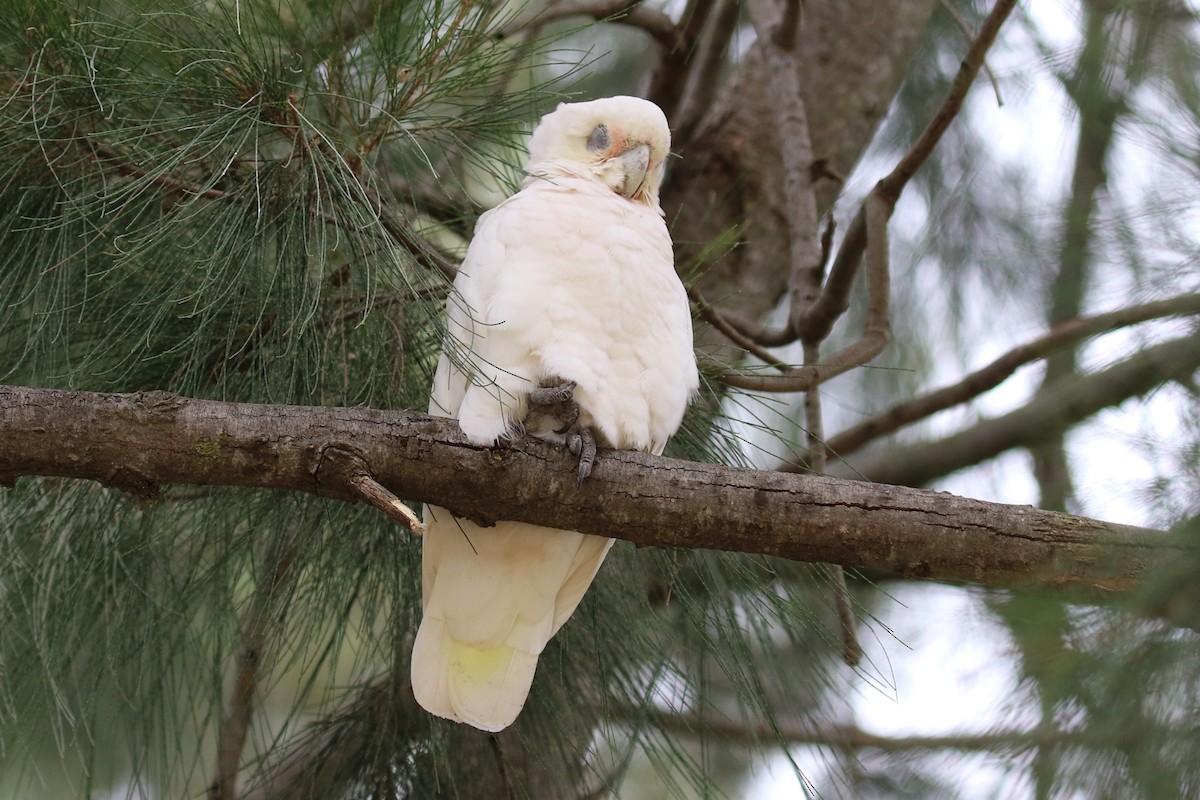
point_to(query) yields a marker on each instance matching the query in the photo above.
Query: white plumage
(570, 279)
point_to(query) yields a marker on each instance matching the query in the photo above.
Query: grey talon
(559, 398)
(583, 444)
(548, 395)
(570, 415)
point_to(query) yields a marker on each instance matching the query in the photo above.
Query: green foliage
(193, 194)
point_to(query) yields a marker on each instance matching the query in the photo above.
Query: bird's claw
(558, 401)
(550, 394)
(558, 394)
(583, 445)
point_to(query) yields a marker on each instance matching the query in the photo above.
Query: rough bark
(139, 442)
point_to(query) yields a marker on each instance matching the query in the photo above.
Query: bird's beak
(635, 164)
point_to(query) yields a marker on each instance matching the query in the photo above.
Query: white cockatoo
(567, 322)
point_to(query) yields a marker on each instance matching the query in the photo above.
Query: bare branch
(627, 12)
(138, 442)
(1050, 412)
(854, 738)
(813, 320)
(704, 74)
(980, 381)
(717, 319)
(670, 78)
(1099, 115)
(375, 494)
(756, 331)
(791, 122)
(894, 183)
(961, 22)
(818, 320)
(814, 424)
(872, 218)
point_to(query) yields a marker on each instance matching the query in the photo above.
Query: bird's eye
(598, 141)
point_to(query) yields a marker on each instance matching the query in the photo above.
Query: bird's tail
(493, 598)
(483, 687)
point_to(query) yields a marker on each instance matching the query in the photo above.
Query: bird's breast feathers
(577, 283)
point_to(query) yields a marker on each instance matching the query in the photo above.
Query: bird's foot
(561, 395)
(583, 444)
(550, 393)
(557, 400)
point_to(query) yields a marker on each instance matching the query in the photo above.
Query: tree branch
(871, 221)
(980, 381)
(231, 739)
(850, 737)
(628, 12)
(972, 62)
(139, 442)
(814, 313)
(715, 317)
(834, 298)
(669, 80)
(1050, 412)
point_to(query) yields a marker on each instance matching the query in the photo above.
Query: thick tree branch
(139, 442)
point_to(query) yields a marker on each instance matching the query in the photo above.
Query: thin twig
(717, 319)
(756, 331)
(827, 242)
(1044, 416)
(835, 296)
(347, 467)
(873, 217)
(966, 29)
(992, 375)
(627, 12)
(972, 62)
(808, 253)
(377, 495)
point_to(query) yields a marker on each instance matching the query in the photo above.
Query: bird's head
(620, 142)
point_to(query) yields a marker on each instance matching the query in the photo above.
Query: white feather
(569, 279)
